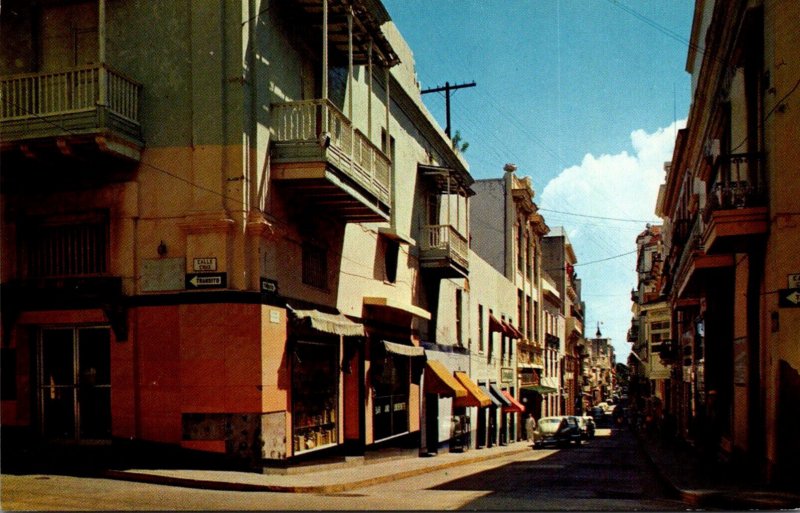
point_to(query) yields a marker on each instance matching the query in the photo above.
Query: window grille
(315, 266)
(78, 248)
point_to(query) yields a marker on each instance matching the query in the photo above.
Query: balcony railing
(319, 123)
(442, 240)
(69, 102)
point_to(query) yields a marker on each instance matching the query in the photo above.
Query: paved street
(608, 473)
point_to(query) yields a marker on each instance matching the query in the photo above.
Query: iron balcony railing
(444, 239)
(738, 183)
(320, 122)
(39, 96)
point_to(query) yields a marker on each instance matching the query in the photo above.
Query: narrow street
(607, 473)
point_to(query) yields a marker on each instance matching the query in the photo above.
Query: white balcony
(444, 249)
(317, 150)
(91, 104)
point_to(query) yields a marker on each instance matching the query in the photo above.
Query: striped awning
(475, 396)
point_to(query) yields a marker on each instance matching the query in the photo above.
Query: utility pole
(447, 88)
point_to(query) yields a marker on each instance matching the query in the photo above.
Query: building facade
(730, 229)
(241, 244)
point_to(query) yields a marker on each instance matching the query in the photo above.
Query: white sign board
(205, 264)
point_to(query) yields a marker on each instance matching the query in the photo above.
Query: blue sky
(583, 96)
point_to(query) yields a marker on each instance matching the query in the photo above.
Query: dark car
(558, 431)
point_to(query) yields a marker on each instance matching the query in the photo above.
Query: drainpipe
(324, 77)
(350, 63)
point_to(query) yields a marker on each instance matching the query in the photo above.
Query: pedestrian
(530, 429)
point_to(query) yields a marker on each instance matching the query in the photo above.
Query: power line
(598, 217)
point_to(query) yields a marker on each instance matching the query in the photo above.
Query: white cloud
(622, 186)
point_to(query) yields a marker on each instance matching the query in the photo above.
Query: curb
(205, 484)
(712, 498)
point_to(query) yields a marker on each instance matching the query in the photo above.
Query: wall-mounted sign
(789, 298)
(205, 264)
(794, 281)
(269, 286)
(207, 281)
(506, 375)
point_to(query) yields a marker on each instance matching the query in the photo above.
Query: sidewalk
(705, 484)
(355, 473)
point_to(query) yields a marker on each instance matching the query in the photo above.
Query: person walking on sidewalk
(530, 429)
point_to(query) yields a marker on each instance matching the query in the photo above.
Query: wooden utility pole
(447, 88)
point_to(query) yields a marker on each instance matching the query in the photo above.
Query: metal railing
(445, 238)
(320, 122)
(39, 95)
(738, 183)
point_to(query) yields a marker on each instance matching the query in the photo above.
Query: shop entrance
(75, 383)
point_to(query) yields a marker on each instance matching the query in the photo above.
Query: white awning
(402, 349)
(337, 324)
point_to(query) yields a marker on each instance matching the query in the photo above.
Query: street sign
(205, 264)
(794, 281)
(269, 286)
(789, 298)
(206, 280)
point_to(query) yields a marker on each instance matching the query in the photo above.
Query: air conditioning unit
(712, 149)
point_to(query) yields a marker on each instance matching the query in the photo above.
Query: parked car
(558, 431)
(587, 426)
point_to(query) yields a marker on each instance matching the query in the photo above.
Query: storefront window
(315, 384)
(390, 405)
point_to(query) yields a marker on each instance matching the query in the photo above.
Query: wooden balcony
(444, 250)
(74, 111)
(736, 218)
(318, 154)
(696, 267)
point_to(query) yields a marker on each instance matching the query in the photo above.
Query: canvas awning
(397, 306)
(540, 388)
(516, 406)
(496, 325)
(475, 396)
(438, 380)
(403, 350)
(336, 324)
(498, 394)
(515, 333)
(495, 400)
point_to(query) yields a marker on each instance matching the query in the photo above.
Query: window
(502, 340)
(520, 308)
(480, 328)
(392, 250)
(520, 247)
(74, 245)
(528, 318)
(315, 266)
(529, 254)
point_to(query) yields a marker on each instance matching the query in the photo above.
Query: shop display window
(390, 400)
(315, 385)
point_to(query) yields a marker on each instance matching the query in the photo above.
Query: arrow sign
(206, 280)
(789, 298)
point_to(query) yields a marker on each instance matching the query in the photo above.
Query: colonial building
(239, 240)
(731, 234)
(508, 238)
(559, 260)
(650, 325)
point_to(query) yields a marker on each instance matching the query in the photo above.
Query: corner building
(214, 215)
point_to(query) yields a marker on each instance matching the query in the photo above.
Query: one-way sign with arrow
(789, 298)
(206, 280)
